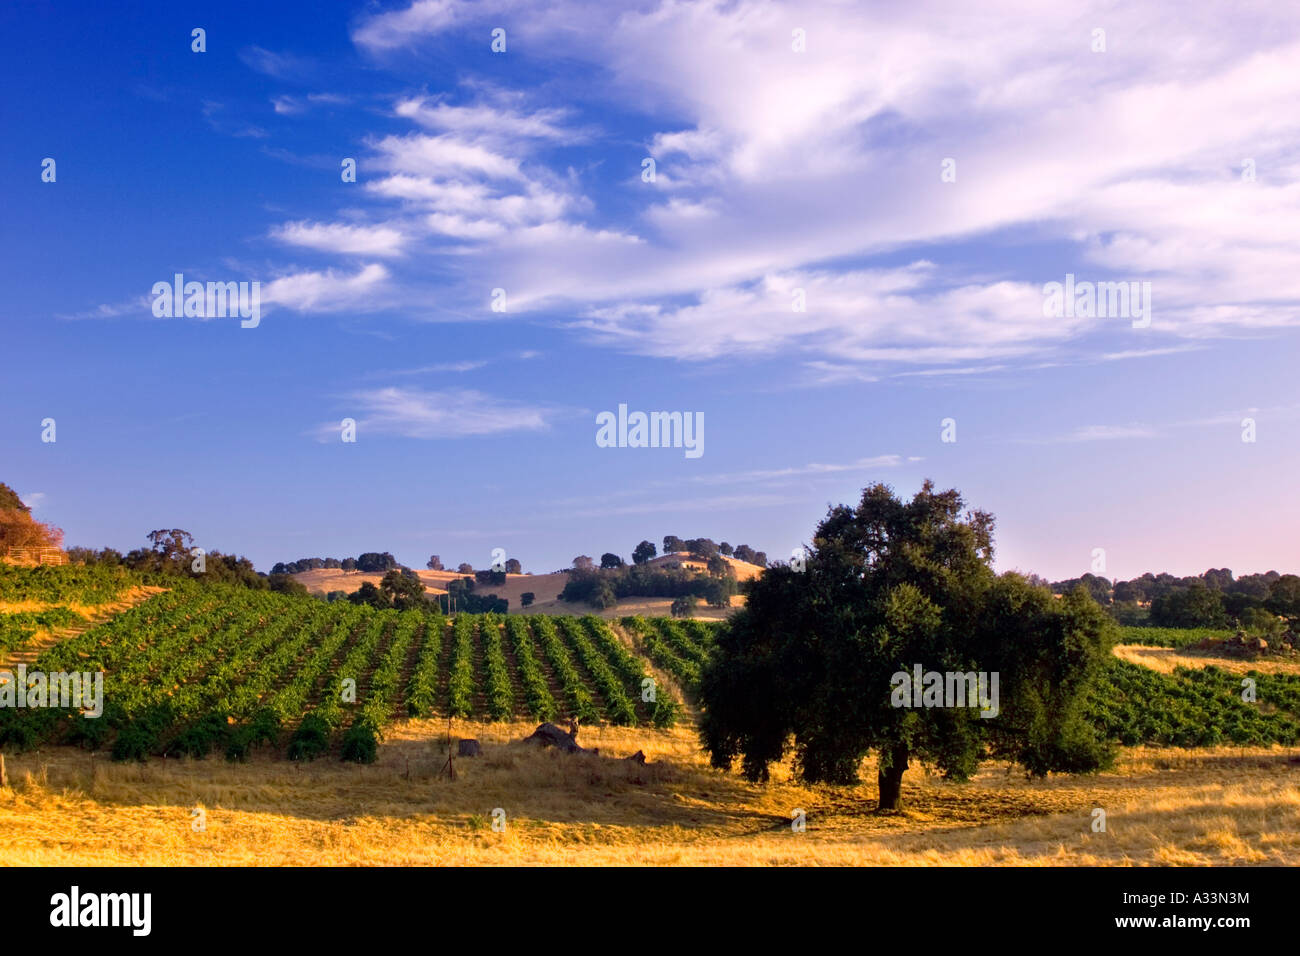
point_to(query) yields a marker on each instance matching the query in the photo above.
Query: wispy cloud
(762, 156)
(281, 66)
(328, 290)
(342, 238)
(446, 413)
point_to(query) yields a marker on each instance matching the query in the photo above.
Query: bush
(360, 743)
(311, 739)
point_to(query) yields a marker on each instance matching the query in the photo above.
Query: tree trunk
(890, 778)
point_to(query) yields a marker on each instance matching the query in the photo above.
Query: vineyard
(66, 584)
(1171, 636)
(1195, 708)
(17, 628)
(217, 668)
(214, 668)
(677, 647)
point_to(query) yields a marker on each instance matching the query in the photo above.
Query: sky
(839, 258)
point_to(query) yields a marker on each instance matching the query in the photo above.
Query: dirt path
(96, 614)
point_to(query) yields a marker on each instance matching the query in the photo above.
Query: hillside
(545, 587)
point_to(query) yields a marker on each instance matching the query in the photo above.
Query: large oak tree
(809, 663)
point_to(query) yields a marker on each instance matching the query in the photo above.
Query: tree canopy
(892, 587)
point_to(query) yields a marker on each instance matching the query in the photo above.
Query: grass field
(1207, 806)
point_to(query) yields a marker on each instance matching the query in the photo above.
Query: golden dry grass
(1166, 659)
(1165, 807)
(546, 589)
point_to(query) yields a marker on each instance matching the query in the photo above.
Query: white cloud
(327, 291)
(399, 28)
(773, 164)
(449, 413)
(342, 238)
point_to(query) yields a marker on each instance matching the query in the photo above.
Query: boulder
(549, 735)
(468, 748)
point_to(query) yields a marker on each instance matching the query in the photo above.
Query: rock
(637, 758)
(549, 735)
(469, 748)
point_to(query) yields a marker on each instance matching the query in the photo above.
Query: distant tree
(434, 563)
(1218, 579)
(702, 548)
(1255, 585)
(9, 500)
(369, 594)
(1191, 606)
(465, 568)
(18, 529)
(610, 560)
(583, 562)
(726, 549)
(349, 564)
(287, 584)
(683, 606)
(333, 596)
(643, 552)
(376, 561)
(672, 544)
(527, 598)
(717, 591)
(604, 596)
(497, 578)
(402, 590)
(1261, 623)
(171, 545)
(760, 558)
(1129, 591)
(745, 553)
(1284, 596)
(718, 565)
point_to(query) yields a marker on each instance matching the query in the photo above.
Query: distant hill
(545, 587)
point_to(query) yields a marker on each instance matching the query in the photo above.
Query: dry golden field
(1164, 807)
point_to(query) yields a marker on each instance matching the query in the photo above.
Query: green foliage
(65, 583)
(890, 585)
(500, 695)
(1192, 606)
(422, 690)
(537, 696)
(1192, 708)
(683, 606)
(576, 696)
(311, 739)
(1170, 636)
(460, 687)
(17, 628)
(360, 743)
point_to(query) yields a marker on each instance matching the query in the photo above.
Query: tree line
(1259, 602)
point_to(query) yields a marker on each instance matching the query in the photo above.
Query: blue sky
(776, 170)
